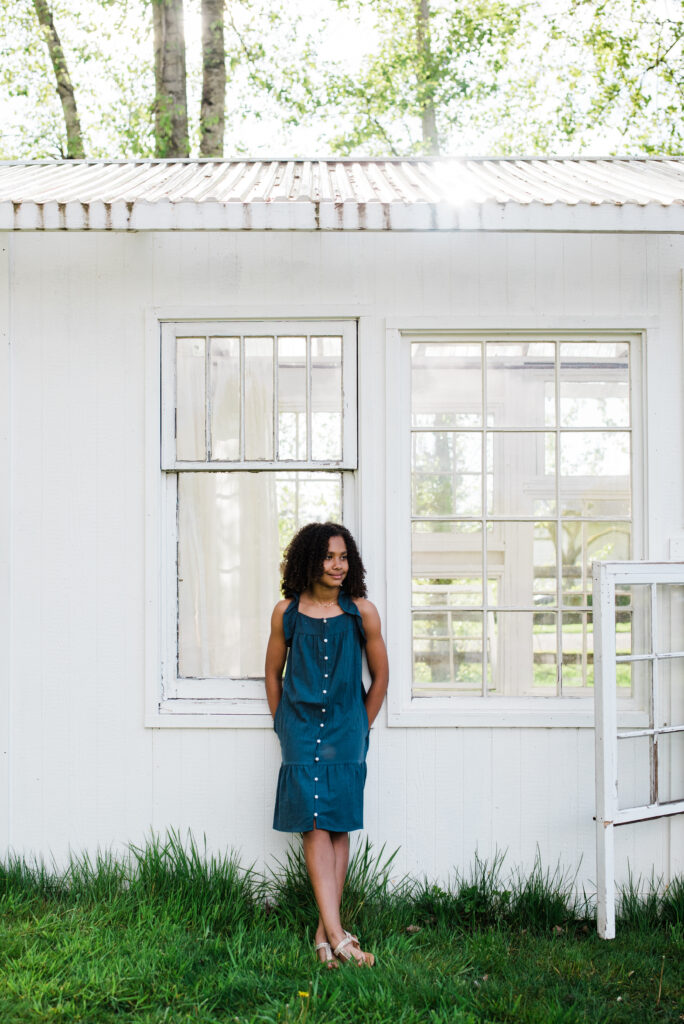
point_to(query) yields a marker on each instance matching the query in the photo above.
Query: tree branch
(65, 89)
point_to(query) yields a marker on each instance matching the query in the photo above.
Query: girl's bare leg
(340, 844)
(320, 857)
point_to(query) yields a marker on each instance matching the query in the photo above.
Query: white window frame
(405, 709)
(609, 815)
(223, 703)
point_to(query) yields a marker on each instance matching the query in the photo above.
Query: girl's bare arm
(376, 655)
(276, 654)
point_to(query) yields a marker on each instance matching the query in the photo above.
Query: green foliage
(485, 898)
(622, 67)
(114, 84)
(447, 57)
(167, 933)
(408, 77)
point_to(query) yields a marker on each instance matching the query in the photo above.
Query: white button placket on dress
(323, 710)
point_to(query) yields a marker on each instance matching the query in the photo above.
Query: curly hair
(304, 556)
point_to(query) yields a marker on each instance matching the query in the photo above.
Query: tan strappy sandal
(342, 953)
(330, 961)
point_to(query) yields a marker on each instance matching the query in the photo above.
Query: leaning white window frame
(242, 701)
(609, 815)
(404, 708)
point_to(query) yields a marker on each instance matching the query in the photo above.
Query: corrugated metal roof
(417, 194)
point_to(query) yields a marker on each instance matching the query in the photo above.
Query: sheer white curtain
(228, 555)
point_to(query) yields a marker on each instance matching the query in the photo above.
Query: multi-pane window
(258, 429)
(521, 453)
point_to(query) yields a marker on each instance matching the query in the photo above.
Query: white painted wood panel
(5, 537)
(83, 768)
(78, 478)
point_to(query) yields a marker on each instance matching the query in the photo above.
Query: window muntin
(525, 496)
(258, 400)
(258, 437)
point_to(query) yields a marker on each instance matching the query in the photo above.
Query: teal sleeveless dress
(321, 723)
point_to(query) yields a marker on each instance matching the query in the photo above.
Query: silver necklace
(325, 604)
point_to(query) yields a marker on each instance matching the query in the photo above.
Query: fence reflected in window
(525, 494)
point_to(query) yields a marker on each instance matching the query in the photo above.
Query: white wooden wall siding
(659, 652)
(5, 538)
(82, 769)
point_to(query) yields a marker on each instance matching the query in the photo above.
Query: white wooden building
(476, 363)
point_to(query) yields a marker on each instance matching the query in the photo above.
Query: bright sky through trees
(315, 77)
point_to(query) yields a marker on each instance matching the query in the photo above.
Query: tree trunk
(65, 89)
(213, 79)
(170, 102)
(426, 93)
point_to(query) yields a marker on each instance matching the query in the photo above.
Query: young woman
(321, 713)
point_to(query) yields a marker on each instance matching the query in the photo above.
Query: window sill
(425, 713)
(186, 713)
(500, 713)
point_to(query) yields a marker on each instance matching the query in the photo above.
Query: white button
(325, 620)
(325, 691)
(316, 779)
(325, 675)
(315, 796)
(322, 709)
(325, 640)
(315, 814)
(325, 657)
(322, 725)
(317, 741)
(315, 758)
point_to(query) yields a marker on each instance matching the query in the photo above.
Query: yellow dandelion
(304, 995)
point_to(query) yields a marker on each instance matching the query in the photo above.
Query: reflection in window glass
(190, 399)
(595, 473)
(594, 385)
(586, 542)
(670, 601)
(517, 377)
(633, 619)
(556, 478)
(522, 645)
(518, 466)
(292, 398)
(447, 652)
(306, 498)
(671, 765)
(258, 398)
(326, 399)
(447, 385)
(578, 650)
(225, 398)
(633, 771)
(232, 531)
(447, 473)
(447, 564)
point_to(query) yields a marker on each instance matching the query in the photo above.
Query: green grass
(170, 935)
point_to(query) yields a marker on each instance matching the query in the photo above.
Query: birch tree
(170, 101)
(425, 79)
(212, 113)
(65, 89)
